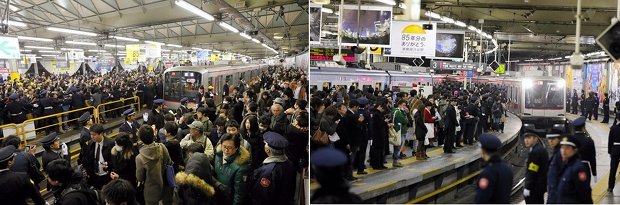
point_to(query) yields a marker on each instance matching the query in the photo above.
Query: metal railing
(60, 121)
(135, 103)
(15, 126)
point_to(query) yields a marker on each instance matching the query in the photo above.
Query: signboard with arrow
(9, 48)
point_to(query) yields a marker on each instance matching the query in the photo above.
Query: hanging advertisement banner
(133, 52)
(315, 23)
(153, 50)
(410, 39)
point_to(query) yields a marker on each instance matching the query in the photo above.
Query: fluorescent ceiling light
(432, 14)
(165, 50)
(216, 51)
(255, 40)
(327, 10)
(16, 23)
(191, 8)
(246, 36)
(71, 49)
(125, 38)
(388, 2)
(402, 6)
(46, 51)
(228, 27)
(34, 38)
(63, 30)
(179, 51)
(278, 37)
(81, 43)
(533, 60)
(116, 46)
(96, 51)
(197, 48)
(460, 24)
(153, 42)
(39, 47)
(49, 55)
(25, 50)
(174, 45)
(472, 28)
(447, 19)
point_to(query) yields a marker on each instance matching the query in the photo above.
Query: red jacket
(428, 118)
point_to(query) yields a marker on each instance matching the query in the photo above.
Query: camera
(427, 26)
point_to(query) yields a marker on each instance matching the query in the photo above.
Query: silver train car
(184, 81)
(538, 101)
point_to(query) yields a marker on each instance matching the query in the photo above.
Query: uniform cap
(84, 117)
(44, 92)
(490, 142)
(581, 121)
(129, 111)
(210, 87)
(554, 133)
(184, 100)
(14, 96)
(328, 157)
(158, 101)
(362, 101)
(275, 140)
(49, 139)
(570, 140)
(7, 153)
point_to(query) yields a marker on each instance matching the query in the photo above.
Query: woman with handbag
(327, 126)
(429, 122)
(420, 132)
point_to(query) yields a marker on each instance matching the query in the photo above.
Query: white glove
(595, 179)
(526, 192)
(64, 149)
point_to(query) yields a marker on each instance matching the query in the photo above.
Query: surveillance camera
(576, 61)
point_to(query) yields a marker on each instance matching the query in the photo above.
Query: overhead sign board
(133, 52)
(9, 48)
(609, 40)
(501, 69)
(410, 39)
(451, 65)
(153, 50)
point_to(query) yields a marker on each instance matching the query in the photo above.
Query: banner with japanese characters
(410, 39)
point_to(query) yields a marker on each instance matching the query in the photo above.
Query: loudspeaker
(427, 26)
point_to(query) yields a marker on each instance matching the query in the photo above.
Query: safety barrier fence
(28, 129)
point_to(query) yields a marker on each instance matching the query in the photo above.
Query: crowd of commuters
(252, 148)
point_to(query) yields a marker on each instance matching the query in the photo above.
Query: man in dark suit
(156, 116)
(226, 89)
(130, 126)
(16, 186)
(86, 121)
(450, 123)
(96, 158)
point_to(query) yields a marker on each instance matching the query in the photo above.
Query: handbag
(320, 137)
(168, 172)
(394, 136)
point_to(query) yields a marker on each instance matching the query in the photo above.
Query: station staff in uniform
(130, 126)
(183, 108)
(574, 183)
(495, 181)
(86, 121)
(536, 173)
(328, 168)
(274, 181)
(605, 108)
(47, 107)
(14, 111)
(156, 117)
(450, 123)
(16, 187)
(54, 149)
(555, 166)
(587, 152)
(613, 148)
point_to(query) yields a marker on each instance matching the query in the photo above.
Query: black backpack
(94, 196)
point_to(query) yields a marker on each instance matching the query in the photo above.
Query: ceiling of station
(284, 23)
(551, 22)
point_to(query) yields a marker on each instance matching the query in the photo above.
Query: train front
(543, 103)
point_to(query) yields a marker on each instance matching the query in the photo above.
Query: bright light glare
(528, 83)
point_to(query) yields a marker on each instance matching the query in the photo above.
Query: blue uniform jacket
(574, 184)
(495, 183)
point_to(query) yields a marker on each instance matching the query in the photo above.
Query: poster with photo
(374, 25)
(315, 23)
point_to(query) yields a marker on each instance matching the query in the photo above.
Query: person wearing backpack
(69, 187)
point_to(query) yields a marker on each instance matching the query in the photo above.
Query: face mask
(118, 148)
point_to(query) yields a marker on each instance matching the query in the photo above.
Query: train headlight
(561, 83)
(528, 83)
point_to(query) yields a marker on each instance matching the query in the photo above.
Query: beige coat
(149, 170)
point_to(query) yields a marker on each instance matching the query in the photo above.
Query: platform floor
(418, 170)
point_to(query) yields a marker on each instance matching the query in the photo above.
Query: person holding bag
(400, 125)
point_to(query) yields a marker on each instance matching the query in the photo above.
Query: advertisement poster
(374, 25)
(133, 52)
(410, 39)
(152, 50)
(450, 45)
(315, 23)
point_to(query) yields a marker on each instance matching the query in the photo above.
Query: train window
(179, 84)
(544, 94)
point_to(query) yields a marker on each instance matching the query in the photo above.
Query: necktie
(97, 155)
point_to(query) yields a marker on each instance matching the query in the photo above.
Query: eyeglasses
(228, 147)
